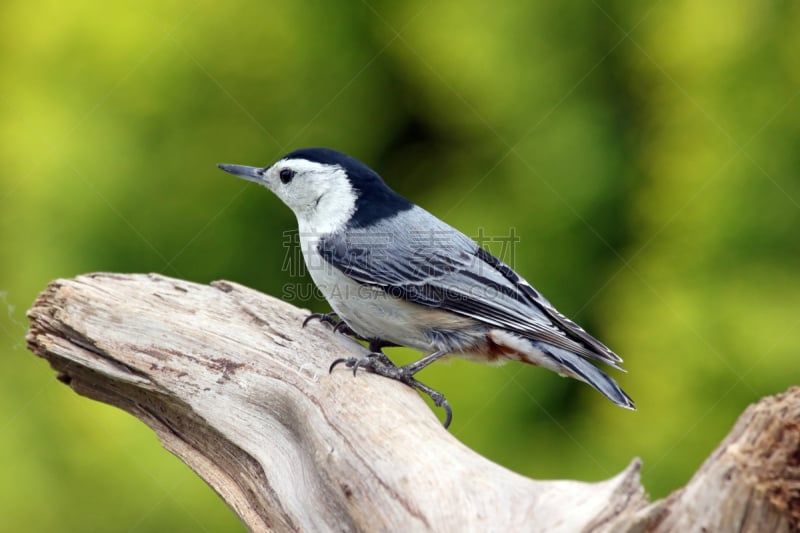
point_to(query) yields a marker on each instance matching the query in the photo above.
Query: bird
(396, 275)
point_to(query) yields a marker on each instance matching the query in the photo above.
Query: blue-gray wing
(421, 259)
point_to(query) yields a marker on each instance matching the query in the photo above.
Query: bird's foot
(338, 325)
(377, 363)
(371, 361)
(375, 345)
(344, 329)
(325, 318)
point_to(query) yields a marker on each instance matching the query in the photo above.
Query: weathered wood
(234, 387)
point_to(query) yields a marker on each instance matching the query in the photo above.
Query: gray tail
(579, 368)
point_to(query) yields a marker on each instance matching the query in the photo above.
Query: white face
(320, 195)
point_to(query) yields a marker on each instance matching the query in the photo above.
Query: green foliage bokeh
(646, 154)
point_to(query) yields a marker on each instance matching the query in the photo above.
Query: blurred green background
(645, 153)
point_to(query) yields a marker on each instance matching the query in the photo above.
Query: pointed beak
(255, 174)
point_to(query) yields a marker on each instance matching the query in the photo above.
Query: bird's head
(326, 190)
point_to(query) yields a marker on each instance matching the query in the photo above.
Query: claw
(448, 414)
(343, 328)
(326, 318)
(357, 363)
(437, 398)
(345, 360)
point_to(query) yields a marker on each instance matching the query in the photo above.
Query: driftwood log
(234, 388)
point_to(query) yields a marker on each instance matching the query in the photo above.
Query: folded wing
(442, 268)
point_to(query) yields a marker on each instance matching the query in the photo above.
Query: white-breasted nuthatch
(395, 275)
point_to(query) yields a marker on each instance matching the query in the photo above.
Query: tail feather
(560, 361)
(581, 369)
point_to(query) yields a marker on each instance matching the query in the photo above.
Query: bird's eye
(286, 175)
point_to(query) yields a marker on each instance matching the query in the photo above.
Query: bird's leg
(377, 345)
(437, 397)
(377, 363)
(412, 368)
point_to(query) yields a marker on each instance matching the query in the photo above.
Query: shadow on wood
(234, 387)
